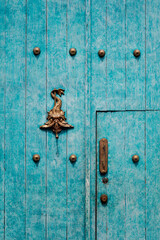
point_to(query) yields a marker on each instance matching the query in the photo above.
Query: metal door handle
(103, 156)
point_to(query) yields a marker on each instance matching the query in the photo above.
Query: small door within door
(131, 183)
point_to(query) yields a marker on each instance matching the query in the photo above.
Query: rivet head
(72, 51)
(101, 53)
(105, 180)
(36, 51)
(135, 158)
(36, 157)
(73, 158)
(104, 198)
(136, 53)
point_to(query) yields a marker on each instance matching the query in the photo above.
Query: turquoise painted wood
(75, 92)
(35, 108)
(135, 177)
(116, 97)
(152, 175)
(135, 68)
(111, 127)
(2, 115)
(15, 132)
(115, 25)
(125, 211)
(152, 55)
(57, 159)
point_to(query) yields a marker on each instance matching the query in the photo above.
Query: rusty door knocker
(56, 117)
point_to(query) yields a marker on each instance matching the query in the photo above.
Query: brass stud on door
(136, 53)
(105, 180)
(101, 53)
(36, 51)
(135, 158)
(73, 158)
(104, 199)
(36, 157)
(72, 51)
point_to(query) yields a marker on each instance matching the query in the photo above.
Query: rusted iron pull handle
(103, 156)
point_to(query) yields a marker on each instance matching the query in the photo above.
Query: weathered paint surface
(56, 194)
(2, 115)
(128, 86)
(35, 139)
(15, 85)
(116, 97)
(124, 215)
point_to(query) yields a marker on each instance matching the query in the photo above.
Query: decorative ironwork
(56, 117)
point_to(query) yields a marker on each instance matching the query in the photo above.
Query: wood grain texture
(56, 149)
(35, 116)
(115, 55)
(87, 122)
(98, 92)
(98, 67)
(124, 215)
(135, 67)
(135, 194)
(111, 217)
(133, 189)
(76, 115)
(152, 54)
(56, 199)
(15, 121)
(152, 175)
(2, 116)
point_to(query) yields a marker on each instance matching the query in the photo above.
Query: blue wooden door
(116, 97)
(132, 210)
(44, 200)
(124, 109)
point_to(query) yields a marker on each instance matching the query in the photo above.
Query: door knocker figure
(56, 117)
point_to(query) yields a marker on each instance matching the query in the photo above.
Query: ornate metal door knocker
(56, 117)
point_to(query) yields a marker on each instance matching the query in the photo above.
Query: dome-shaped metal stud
(135, 158)
(72, 51)
(36, 51)
(73, 158)
(136, 53)
(104, 198)
(36, 157)
(101, 53)
(105, 180)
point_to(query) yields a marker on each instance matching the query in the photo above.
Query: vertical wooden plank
(2, 114)
(152, 175)
(76, 116)
(93, 169)
(99, 41)
(135, 67)
(101, 213)
(56, 149)
(35, 116)
(111, 217)
(152, 54)
(135, 175)
(115, 55)
(15, 121)
(98, 88)
(87, 122)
